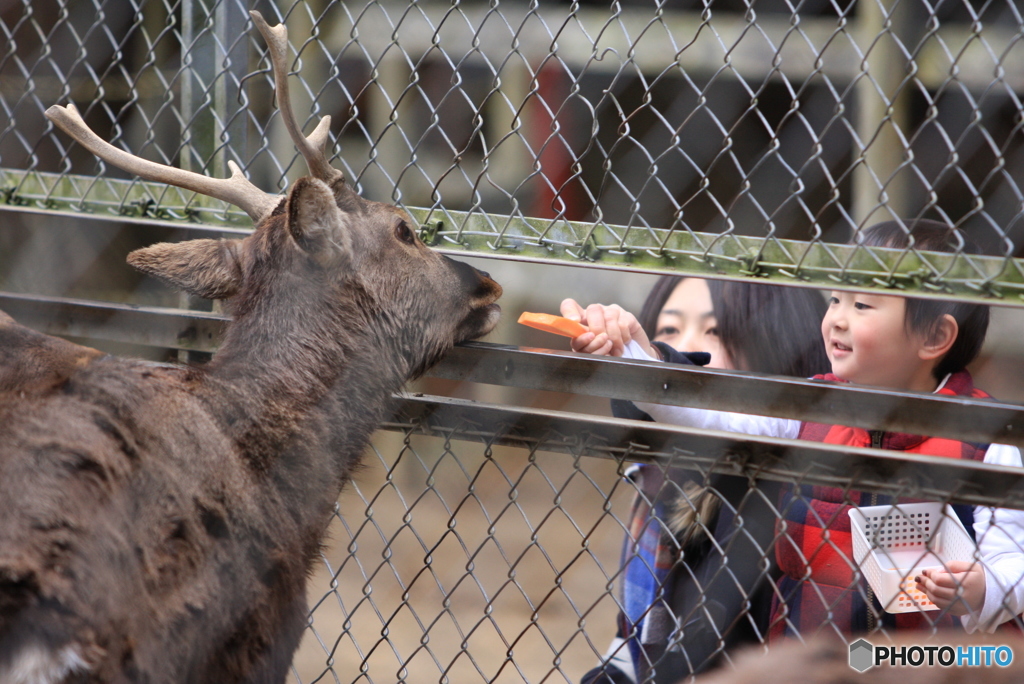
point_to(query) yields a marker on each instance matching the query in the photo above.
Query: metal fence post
(879, 184)
(214, 61)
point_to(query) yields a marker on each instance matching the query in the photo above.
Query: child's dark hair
(923, 315)
(764, 328)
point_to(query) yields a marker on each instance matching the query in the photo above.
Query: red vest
(815, 550)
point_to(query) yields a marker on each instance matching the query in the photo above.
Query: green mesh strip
(993, 280)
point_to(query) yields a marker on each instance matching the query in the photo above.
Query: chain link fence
(729, 139)
(750, 138)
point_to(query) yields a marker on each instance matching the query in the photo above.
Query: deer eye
(404, 233)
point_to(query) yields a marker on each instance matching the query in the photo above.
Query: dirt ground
(461, 565)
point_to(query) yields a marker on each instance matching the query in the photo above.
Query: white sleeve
(618, 657)
(713, 420)
(1000, 535)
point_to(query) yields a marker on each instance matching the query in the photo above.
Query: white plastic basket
(892, 544)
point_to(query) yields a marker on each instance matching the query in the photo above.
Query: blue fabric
(646, 559)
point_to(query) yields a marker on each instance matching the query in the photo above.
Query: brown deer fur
(31, 363)
(159, 522)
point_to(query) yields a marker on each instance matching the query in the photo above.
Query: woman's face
(687, 322)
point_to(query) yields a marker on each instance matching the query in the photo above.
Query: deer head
(316, 250)
(323, 238)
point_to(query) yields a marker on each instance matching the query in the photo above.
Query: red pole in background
(550, 136)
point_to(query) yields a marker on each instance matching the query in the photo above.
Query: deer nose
(485, 274)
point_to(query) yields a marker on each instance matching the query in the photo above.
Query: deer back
(31, 362)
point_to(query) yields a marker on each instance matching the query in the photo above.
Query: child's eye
(861, 305)
(833, 301)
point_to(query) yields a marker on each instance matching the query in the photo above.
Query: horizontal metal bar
(114, 198)
(194, 230)
(974, 420)
(149, 326)
(927, 477)
(556, 371)
(779, 459)
(991, 280)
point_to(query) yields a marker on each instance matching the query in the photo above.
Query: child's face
(868, 343)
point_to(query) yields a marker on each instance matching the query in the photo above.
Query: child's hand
(611, 329)
(942, 585)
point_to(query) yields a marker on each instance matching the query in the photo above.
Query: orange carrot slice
(552, 324)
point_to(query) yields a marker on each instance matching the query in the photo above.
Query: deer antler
(236, 190)
(311, 147)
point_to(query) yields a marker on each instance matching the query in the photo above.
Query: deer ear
(316, 223)
(206, 268)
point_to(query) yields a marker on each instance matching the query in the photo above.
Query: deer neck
(314, 368)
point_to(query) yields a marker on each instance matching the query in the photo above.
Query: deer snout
(478, 284)
(482, 293)
(487, 289)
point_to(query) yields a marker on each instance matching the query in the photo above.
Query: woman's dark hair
(764, 328)
(923, 315)
(655, 302)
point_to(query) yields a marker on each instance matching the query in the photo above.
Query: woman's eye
(711, 331)
(404, 233)
(666, 332)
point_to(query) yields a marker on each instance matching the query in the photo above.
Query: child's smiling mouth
(840, 348)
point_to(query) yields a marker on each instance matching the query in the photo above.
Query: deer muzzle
(483, 295)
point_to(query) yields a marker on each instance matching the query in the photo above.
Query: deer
(159, 521)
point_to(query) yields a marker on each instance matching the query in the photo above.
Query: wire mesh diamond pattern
(750, 138)
(455, 562)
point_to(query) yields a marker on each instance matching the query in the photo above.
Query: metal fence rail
(977, 420)
(872, 470)
(729, 139)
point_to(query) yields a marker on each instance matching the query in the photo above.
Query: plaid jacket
(650, 552)
(818, 588)
(648, 556)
